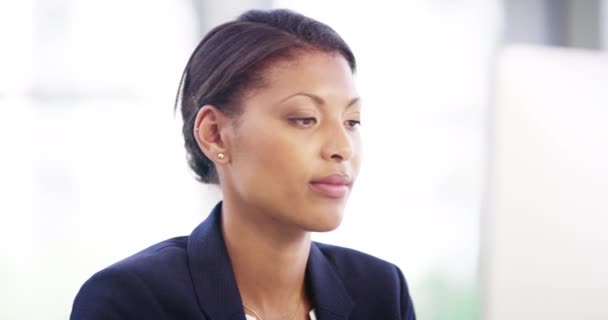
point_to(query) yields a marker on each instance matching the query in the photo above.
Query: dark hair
(230, 60)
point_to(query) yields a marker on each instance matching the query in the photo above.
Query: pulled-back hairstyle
(231, 59)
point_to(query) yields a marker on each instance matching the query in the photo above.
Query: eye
(353, 123)
(303, 122)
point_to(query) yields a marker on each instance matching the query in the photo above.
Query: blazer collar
(325, 287)
(216, 289)
(211, 270)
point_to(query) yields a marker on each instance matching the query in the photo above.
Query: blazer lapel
(211, 271)
(329, 296)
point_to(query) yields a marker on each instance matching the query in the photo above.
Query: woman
(270, 114)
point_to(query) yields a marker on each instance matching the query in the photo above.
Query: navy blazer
(191, 278)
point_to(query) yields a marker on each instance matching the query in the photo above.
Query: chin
(325, 228)
(325, 221)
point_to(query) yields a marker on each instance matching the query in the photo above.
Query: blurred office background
(485, 124)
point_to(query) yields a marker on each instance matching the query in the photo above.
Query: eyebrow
(318, 100)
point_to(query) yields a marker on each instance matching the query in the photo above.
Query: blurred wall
(93, 167)
(565, 23)
(604, 23)
(91, 149)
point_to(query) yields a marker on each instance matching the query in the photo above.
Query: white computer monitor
(545, 239)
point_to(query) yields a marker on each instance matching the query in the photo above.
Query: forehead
(327, 75)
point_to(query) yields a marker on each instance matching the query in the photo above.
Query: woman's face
(295, 150)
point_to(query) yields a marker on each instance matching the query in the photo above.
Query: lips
(332, 186)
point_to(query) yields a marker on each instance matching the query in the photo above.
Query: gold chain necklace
(258, 317)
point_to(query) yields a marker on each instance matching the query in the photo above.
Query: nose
(338, 144)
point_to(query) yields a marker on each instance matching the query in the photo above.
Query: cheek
(268, 158)
(357, 154)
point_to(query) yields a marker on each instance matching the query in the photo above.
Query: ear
(208, 127)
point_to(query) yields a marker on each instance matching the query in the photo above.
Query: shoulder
(143, 285)
(371, 280)
(156, 258)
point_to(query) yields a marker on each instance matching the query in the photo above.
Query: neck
(268, 260)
